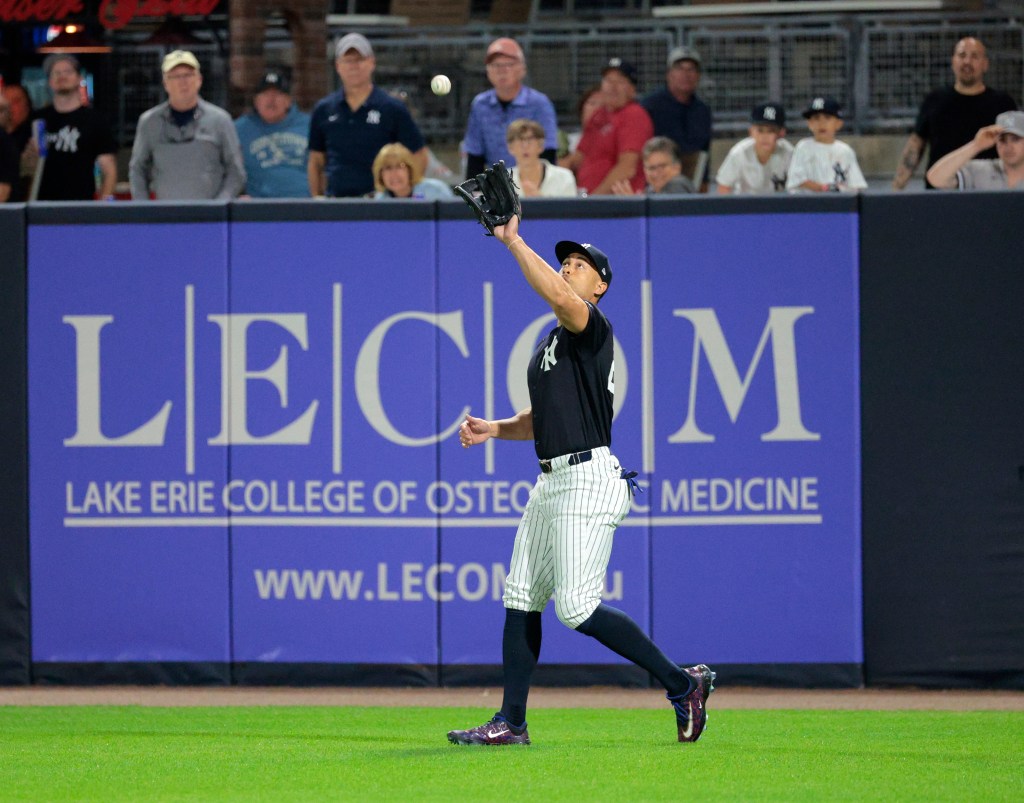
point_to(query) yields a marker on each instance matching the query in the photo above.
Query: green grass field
(311, 753)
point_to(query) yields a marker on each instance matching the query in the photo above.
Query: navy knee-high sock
(622, 635)
(520, 649)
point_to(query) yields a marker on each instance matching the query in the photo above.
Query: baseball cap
(504, 47)
(1012, 122)
(274, 79)
(683, 53)
(54, 59)
(769, 114)
(595, 256)
(178, 57)
(356, 42)
(624, 67)
(824, 105)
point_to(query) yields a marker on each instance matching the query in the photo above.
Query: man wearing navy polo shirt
(349, 127)
(509, 100)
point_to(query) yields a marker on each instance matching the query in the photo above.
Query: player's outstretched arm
(568, 307)
(475, 431)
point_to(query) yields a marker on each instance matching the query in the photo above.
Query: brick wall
(307, 25)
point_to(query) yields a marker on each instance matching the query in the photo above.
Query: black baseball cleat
(496, 732)
(691, 710)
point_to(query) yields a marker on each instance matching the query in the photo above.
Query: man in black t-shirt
(77, 139)
(949, 117)
(564, 540)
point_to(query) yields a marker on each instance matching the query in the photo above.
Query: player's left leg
(595, 501)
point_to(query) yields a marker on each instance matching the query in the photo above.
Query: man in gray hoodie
(185, 148)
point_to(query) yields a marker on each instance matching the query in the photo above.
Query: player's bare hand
(474, 431)
(509, 231)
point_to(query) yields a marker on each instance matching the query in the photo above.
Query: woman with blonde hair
(535, 176)
(397, 175)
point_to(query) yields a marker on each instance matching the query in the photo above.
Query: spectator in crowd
(534, 175)
(822, 163)
(185, 148)
(677, 112)
(963, 169)
(77, 139)
(663, 170)
(950, 116)
(758, 164)
(19, 126)
(273, 137)
(590, 101)
(609, 149)
(350, 126)
(397, 174)
(493, 110)
(9, 180)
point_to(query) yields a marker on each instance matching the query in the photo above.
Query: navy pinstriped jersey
(571, 387)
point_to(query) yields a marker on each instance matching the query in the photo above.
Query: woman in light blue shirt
(397, 175)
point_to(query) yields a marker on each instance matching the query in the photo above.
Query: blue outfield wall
(15, 660)
(244, 467)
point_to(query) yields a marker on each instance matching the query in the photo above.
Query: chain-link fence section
(902, 63)
(879, 68)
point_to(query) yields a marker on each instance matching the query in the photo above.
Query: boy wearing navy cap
(758, 164)
(822, 163)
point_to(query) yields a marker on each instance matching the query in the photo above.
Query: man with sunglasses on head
(185, 148)
(494, 110)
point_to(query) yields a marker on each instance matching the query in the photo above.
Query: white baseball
(440, 85)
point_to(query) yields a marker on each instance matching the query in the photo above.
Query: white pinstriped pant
(564, 540)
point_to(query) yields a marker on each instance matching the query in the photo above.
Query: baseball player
(564, 540)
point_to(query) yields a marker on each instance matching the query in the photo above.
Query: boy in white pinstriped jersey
(564, 540)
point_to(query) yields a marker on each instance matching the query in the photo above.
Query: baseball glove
(492, 196)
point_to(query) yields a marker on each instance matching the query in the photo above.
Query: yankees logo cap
(595, 256)
(769, 114)
(824, 105)
(626, 68)
(274, 79)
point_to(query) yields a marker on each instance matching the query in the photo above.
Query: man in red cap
(510, 99)
(614, 137)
